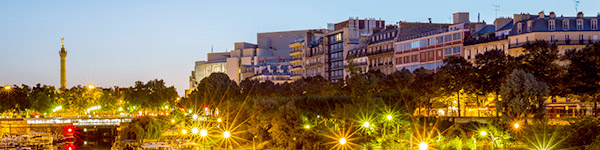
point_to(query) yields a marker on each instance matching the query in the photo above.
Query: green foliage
(583, 131)
(522, 94)
(152, 95)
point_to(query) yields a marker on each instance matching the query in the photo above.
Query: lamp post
(203, 134)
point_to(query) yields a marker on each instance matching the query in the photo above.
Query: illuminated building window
(565, 24)
(551, 25)
(579, 24)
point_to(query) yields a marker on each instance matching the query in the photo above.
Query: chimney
(460, 17)
(520, 17)
(541, 15)
(501, 22)
(580, 15)
(552, 15)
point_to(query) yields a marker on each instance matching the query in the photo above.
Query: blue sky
(117, 42)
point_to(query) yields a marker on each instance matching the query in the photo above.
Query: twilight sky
(116, 42)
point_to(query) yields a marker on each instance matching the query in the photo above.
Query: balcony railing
(557, 42)
(380, 51)
(484, 40)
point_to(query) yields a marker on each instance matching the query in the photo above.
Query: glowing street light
(172, 120)
(306, 126)
(91, 86)
(219, 120)
(194, 116)
(342, 141)
(194, 130)
(423, 146)
(516, 125)
(120, 108)
(389, 117)
(183, 131)
(7, 87)
(483, 133)
(366, 124)
(57, 108)
(203, 133)
(226, 134)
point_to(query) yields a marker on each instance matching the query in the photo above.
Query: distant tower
(63, 66)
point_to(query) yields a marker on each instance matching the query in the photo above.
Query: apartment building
(343, 37)
(307, 55)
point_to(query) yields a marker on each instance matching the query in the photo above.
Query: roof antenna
(478, 15)
(576, 5)
(211, 49)
(496, 8)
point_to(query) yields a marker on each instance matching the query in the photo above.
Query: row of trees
(44, 99)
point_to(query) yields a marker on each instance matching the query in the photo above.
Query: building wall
(471, 51)
(422, 52)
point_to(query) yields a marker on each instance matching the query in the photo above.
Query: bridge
(53, 125)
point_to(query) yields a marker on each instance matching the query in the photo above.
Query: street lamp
(226, 134)
(91, 86)
(342, 141)
(366, 124)
(194, 116)
(203, 133)
(184, 131)
(483, 133)
(423, 146)
(306, 126)
(389, 117)
(194, 130)
(516, 125)
(57, 108)
(7, 87)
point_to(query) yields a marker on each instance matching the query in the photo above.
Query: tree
(522, 94)
(454, 76)
(152, 95)
(424, 88)
(491, 71)
(583, 73)
(43, 98)
(540, 58)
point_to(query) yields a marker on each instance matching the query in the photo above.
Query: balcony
(380, 51)
(557, 42)
(472, 41)
(296, 52)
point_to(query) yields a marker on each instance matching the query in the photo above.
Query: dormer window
(529, 26)
(519, 28)
(594, 24)
(565, 24)
(551, 25)
(579, 24)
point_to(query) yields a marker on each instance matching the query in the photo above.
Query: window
(552, 38)
(519, 28)
(581, 37)
(432, 41)
(456, 50)
(567, 37)
(579, 24)
(526, 40)
(399, 47)
(594, 24)
(566, 24)
(595, 37)
(551, 25)
(447, 38)
(529, 26)
(422, 56)
(439, 53)
(447, 51)
(517, 41)
(415, 44)
(407, 46)
(423, 43)
(439, 39)
(431, 55)
(456, 36)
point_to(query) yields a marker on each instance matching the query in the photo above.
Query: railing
(380, 51)
(484, 40)
(557, 42)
